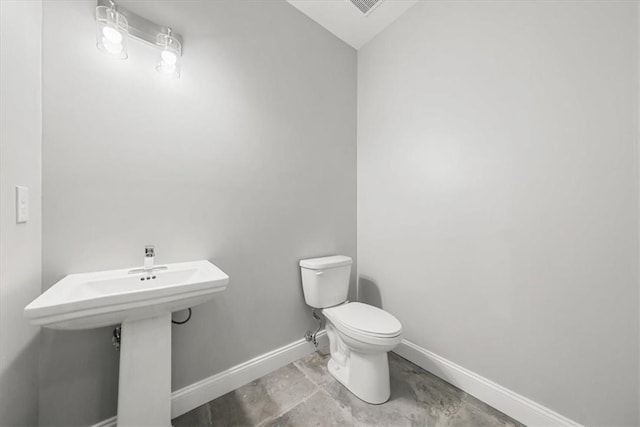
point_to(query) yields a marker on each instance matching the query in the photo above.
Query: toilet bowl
(360, 335)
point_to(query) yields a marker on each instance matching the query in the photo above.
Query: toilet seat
(363, 321)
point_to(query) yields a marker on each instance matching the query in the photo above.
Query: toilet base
(365, 375)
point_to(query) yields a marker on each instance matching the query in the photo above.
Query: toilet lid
(365, 318)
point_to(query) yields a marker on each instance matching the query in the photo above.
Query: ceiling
(344, 19)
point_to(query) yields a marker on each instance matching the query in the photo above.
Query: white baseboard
(516, 406)
(196, 394)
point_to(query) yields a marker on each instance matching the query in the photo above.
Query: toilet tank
(325, 281)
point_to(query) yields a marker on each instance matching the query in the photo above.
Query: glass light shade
(111, 32)
(169, 64)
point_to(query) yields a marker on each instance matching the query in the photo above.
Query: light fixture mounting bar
(141, 28)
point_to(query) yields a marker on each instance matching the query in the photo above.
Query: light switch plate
(22, 204)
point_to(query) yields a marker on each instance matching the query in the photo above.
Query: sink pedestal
(144, 390)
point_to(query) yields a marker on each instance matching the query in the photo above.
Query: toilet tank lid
(325, 262)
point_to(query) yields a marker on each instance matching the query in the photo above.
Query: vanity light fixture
(170, 55)
(112, 31)
(116, 24)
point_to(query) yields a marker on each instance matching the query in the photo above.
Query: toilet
(360, 335)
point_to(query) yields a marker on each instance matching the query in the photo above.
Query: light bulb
(112, 48)
(169, 57)
(112, 35)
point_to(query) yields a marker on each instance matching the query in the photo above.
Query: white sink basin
(92, 300)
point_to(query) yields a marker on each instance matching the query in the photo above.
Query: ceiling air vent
(365, 6)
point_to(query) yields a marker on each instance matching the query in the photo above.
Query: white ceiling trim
(344, 19)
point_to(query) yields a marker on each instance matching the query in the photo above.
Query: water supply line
(116, 337)
(312, 337)
(175, 322)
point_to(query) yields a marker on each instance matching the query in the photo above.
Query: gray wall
(20, 244)
(247, 160)
(498, 193)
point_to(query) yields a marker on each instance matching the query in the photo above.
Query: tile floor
(304, 394)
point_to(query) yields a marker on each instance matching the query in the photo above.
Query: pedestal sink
(142, 303)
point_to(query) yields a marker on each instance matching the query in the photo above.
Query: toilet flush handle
(319, 273)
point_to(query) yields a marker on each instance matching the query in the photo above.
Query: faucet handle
(149, 251)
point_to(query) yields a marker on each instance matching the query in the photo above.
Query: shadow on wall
(19, 385)
(369, 292)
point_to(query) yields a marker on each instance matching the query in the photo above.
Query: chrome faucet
(149, 258)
